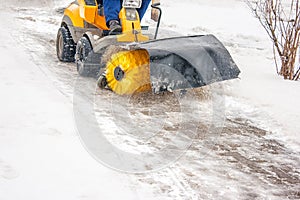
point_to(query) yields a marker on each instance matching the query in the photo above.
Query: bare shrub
(281, 20)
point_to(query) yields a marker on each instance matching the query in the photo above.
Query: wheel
(83, 49)
(65, 45)
(128, 72)
(102, 82)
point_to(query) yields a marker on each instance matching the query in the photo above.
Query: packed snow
(255, 155)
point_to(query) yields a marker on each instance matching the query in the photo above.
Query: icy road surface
(252, 155)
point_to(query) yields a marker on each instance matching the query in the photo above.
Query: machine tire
(102, 82)
(65, 45)
(83, 49)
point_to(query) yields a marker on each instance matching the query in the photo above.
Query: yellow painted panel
(130, 26)
(90, 13)
(100, 22)
(73, 13)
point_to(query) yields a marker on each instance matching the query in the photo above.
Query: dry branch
(281, 21)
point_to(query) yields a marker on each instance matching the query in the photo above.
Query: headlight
(132, 3)
(131, 14)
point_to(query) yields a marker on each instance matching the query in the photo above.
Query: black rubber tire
(101, 82)
(83, 49)
(65, 45)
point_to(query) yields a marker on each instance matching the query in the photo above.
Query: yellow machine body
(83, 17)
(131, 29)
(127, 63)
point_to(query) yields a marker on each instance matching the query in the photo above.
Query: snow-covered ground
(255, 156)
(41, 156)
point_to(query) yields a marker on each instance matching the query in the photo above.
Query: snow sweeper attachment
(132, 60)
(166, 65)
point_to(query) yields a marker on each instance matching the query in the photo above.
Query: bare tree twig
(281, 21)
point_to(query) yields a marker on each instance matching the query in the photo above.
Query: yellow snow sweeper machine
(134, 60)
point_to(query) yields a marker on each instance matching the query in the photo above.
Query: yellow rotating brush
(128, 72)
